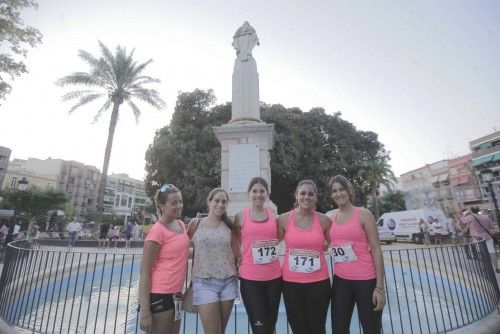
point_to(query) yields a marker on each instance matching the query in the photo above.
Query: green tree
(15, 38)
(33, 202)
(391, 201)
(376, 171)
(311, 144)
(118, 78)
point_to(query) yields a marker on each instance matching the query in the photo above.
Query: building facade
(486, 156)
(77, 180)
(124, 196)
(4, 162)
(417, 186)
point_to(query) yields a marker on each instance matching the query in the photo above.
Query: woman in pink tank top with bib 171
(358, 264)
(260, 269)
(306, 282)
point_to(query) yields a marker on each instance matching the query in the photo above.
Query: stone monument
(245, 140)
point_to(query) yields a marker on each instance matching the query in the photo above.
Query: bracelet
(379, 289)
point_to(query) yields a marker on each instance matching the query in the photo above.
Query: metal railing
(49, 288)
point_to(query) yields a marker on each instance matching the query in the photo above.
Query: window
(130, 202)
(123, 201)
(13, 183)
(117, 202)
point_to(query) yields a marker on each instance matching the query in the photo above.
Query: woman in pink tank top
(358, 263)
(164, 265)
(306, 283)
(260, 269)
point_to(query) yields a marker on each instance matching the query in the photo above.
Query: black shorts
(129, 236)
(103, 236)
(161, 302)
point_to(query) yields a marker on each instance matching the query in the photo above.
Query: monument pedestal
(245, 149)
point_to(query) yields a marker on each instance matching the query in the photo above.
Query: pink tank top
(169, 269)
(304, 260)
(260, 243)
(352, 232)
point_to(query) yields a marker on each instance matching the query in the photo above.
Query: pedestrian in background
(73, 229)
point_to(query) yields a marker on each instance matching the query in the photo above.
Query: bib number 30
(343, 253)
(303, 261)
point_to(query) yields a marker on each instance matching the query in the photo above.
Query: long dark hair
(258, 180)
(225, 218)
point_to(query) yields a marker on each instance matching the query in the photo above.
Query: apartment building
(4, 162)
(78, 180)
(463, 182)
(124, 196)
(417, 186)
(486, 156)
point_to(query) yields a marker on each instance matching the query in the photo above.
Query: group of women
(247, 249)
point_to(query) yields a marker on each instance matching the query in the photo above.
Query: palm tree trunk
(375, 202)
(107, 156)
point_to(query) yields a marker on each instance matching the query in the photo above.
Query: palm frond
(148, 95)
(76, 94)
(105, 107)
(84, 100)
(135, 109)
(78, 78)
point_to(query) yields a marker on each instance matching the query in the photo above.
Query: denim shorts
(212, 290)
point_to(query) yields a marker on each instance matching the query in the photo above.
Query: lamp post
(21, 185)
(487, 176)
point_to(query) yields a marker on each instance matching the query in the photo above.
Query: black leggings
(307, 306)
(347, 292)
(262, 301)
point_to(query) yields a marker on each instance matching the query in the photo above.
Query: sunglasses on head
(166, 187)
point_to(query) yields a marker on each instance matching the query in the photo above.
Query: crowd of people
(245, 249)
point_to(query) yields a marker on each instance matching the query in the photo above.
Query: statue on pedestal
(245, 104)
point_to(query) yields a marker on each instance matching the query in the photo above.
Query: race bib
(303, 261)
(264, 251)
(343, 253)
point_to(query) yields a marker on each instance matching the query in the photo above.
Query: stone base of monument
(245, 149)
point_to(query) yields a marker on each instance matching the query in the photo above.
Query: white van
(406, 224)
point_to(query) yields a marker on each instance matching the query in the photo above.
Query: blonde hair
(344, 182)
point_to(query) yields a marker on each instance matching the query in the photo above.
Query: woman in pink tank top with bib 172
(358, 263)
(306, 282)
(260, 269)
(164, 265)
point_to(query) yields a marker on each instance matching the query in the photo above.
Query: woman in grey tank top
(214, 273)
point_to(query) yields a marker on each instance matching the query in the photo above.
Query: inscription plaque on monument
(244, 164)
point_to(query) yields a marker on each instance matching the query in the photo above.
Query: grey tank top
(213, 256)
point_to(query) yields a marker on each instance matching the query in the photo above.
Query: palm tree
(377, 171)
(118, 78)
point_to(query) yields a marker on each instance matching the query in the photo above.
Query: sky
(424, 75)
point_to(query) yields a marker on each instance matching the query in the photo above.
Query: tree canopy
(15, 38)
(308, 145)
(33, 202)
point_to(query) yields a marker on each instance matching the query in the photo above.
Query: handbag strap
(195, 229)
(479, 222)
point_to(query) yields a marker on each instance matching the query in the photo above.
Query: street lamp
(487, 176)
